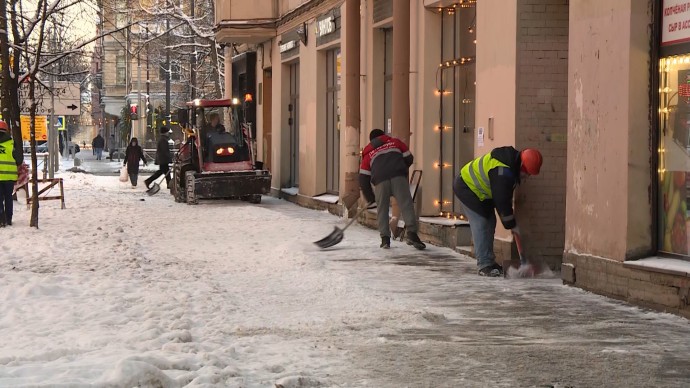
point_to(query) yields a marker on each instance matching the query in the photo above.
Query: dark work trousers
(6, 188)
(162, 169)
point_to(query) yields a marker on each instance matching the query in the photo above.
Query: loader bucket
(332, 239)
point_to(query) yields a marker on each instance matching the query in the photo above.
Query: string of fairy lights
(442, 91)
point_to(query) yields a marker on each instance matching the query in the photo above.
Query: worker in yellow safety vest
(10, 158)
(485, 184)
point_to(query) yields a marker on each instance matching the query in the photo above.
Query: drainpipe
(401, 82)
(350, 194)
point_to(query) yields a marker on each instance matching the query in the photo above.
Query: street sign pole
(53, 159)
(52, 135)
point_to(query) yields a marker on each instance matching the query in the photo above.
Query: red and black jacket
(382, 159)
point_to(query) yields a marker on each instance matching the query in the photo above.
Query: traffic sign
(61, 123)
(67, 99)
(41, 128)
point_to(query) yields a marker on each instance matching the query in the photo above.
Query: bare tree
(25, 57)
(195, 39)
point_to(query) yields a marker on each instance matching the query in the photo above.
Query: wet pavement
(480, 332)
(511, 333)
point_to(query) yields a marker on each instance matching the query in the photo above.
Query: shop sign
(287, 46)
(675, 22)
(325, 26)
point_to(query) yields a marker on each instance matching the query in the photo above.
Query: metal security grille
(383, 9)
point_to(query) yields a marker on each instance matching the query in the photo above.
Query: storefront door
(332, 120)
(293, 121)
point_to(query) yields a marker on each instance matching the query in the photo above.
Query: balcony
(242, 21)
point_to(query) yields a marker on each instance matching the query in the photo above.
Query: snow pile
(122, 289)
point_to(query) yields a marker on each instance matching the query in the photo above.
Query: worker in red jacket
(385, 164)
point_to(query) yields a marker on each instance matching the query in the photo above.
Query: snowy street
(121, 290)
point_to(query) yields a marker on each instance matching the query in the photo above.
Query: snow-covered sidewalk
(121, 290)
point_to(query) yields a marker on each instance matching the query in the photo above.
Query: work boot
(492, 271)
(385, 242)
(413, 239)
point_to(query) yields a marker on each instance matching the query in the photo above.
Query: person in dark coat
(133, 154)
(98, 144)
(163, 158)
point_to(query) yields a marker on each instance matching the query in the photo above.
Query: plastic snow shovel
(156, 187)
(336, 235)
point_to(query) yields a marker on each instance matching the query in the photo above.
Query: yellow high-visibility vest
(8, 166)
(476, 175)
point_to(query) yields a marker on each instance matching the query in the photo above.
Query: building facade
(595, 85)
(145, 68)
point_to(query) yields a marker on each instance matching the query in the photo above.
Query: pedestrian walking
(488, 183)
(112, 146)
(10, 158)
(163, 159)
(98, 144)
(133, 154)
(385, 164)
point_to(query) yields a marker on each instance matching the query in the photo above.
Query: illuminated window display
(674, 154)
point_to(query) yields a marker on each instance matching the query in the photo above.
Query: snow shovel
(336, 235)
(527, 269)
(155, 187)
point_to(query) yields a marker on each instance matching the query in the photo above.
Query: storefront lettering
(676, 22)
(677, 26)
(676, 9)
(287, 46)
(325, 27)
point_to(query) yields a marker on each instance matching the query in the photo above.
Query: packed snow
(121, 289)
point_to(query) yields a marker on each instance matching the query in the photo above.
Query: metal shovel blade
(153, 189)
(334, 238)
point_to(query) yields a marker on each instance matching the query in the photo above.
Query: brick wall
(542, 109)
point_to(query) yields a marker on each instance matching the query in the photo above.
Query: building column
(350, 145)
(401, 70)
(496, 88)
(608, 198)
(228, 71)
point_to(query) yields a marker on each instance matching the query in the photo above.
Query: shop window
(674, 154)
(120, 68)
(455, 91)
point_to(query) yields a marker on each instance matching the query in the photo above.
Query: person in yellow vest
(10, 158)
(485, 184)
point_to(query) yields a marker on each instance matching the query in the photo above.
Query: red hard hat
(3, 126)
(531, 161)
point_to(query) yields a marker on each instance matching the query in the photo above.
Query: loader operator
(485, 184)
(213, 126)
